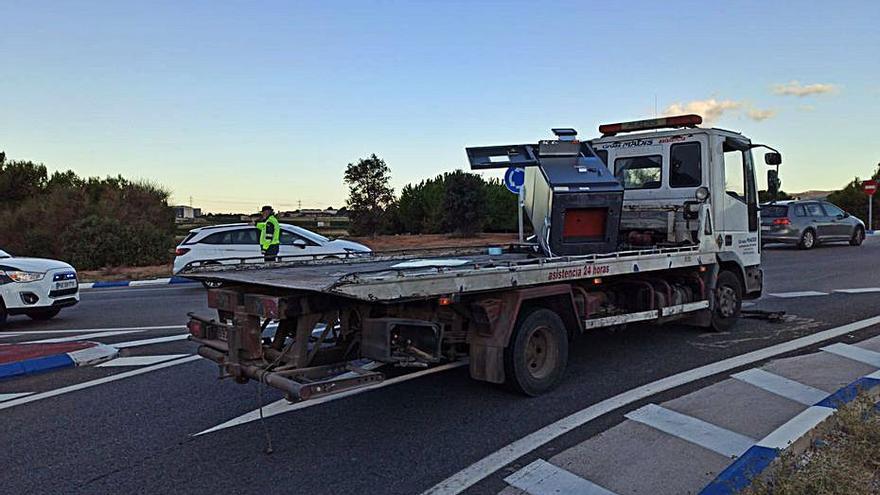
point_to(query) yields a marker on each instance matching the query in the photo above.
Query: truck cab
(687, 185)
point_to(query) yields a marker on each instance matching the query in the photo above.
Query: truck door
(739, 202)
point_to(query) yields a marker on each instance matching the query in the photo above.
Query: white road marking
(85, 336)
(781, 386)
(140, 360)
(796, 427)
(93, 383)
(481, 469)
(542, 478)
(855, 353)
(858, 291)
(715, 438)
(157, 281)
(157, 340)
(6, 397)
(805, 293)
(90, 330)
(283, 406)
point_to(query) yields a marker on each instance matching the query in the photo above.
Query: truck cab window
(734, 174)
(639, 172)
(685, 167)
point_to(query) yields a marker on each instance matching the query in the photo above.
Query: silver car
(808, 222)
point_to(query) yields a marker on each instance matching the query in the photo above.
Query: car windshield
(774, 211)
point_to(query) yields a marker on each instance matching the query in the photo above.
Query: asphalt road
(134, 432)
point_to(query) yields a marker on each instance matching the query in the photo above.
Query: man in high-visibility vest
(270, 234)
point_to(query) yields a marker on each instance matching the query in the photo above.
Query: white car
(35, 287)
(239, 242)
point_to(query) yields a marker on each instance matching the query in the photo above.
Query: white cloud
(710, 109)
(806, 108)
(759, 115)
(795, 88)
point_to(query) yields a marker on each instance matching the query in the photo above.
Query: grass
(845, 461)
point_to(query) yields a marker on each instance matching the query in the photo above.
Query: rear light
(181, 251)
(196, 329)
(781, 221)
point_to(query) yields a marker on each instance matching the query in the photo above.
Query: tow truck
(653, 221)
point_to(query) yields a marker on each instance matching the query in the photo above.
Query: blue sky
(237, 104)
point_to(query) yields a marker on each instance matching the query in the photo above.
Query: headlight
(23, 277)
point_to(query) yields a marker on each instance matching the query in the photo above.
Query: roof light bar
(689, 120)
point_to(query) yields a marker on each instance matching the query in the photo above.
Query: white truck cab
(688, 185)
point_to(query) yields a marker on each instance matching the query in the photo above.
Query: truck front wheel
(728, 301)
(536, 357)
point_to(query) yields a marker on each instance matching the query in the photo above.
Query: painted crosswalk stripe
(781, 386)
(85, 336)
(543, 478)
(6, 397)
(859, 291)
(796, 427)
(855, 353)
(140, 360)
(157, 340)
(715, 438)
(93, 383)
(804, 293)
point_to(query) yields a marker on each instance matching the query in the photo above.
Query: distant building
(184, 213)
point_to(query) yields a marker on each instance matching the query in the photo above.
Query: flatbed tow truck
(654, 221)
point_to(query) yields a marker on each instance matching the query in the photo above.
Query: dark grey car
(807, 222)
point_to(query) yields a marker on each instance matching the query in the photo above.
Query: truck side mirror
(772, 158)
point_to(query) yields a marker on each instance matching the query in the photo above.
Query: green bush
(90, 223)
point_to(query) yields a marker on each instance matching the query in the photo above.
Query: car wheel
(536, 357)
(728, 301)
(808, 239)
(858, 237)
(44, 314)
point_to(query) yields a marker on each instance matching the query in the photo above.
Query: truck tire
(728, 301)
(44, 314)
(808, 239)
(535, 358)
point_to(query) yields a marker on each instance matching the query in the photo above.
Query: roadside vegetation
(88, 222)
(458, 203)
(846, 461)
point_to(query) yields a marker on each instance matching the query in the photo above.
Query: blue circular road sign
(514, 178)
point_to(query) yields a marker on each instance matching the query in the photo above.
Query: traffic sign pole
(520, 201)
(870, 187)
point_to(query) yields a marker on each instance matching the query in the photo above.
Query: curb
(83, 357)
(137, 283)
(795, 435)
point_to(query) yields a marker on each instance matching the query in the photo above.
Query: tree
(368, 194)
(501, 205)
(853, 199)
(464, 202)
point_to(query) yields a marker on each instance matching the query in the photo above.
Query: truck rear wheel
(728, 301)
(536, 357)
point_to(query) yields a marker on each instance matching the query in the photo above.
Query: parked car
(808, 222)
(35, 287)
(237, 242)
